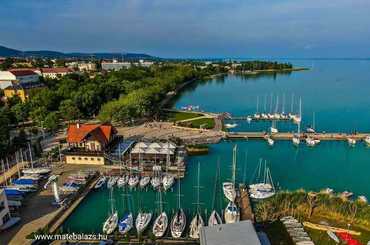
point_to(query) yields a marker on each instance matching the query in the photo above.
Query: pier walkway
(246, 211)
(289, 136)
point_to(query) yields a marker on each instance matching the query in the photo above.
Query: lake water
(336, 90)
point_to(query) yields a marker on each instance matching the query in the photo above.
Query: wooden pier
(246, 211)
(289, 136)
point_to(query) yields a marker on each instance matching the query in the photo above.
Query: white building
(4, 208)
(20, 76)
(115, 65)
(56, 72)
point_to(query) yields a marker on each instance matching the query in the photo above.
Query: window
(86, 158)
(73, 158)
(79, 158)
(92, 159)
(99, 159)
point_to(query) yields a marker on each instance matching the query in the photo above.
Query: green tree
(69, 111)
(51, 121)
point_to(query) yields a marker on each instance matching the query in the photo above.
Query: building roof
(7, 76)
(22, 72)
(77, 133)
(56, 70)
(25, 86)
(240, 233)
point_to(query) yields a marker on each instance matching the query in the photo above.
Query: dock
(289, 136)
(246, 212)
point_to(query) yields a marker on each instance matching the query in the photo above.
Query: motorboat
(160, 225)
(142, 221)
(214, 219)
(311, 142)
(111, 223)
(270, 141)
(144, 181)
(133, 181)
(229, 191)
(274, 130)
(264, 116)
(195, 226)
(168, 181)
(232, 213)
(40, 170)
(126, 223)
(256, 116)
(296, 141)
(230, 125)
(249, 119)
(351, 141)
(178, 223)
(101, 181)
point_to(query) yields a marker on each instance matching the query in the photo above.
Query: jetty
(289, 136)
(244, 203)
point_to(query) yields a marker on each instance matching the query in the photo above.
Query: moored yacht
(100, 182)
(214, 219)
(178, 223)
(111, 223)
(296, 140)
(144, 181)
(351, 141)
(126, 223)
(229, 191)
(270, 141)
(367, 140)
(122, 181)
(264, 186)
(142, 221)
(112, 181)
(232, 213)
(167, 181)
(160, 225)
(133, 181)
(195, 225)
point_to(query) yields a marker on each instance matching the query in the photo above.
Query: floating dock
(289, 136)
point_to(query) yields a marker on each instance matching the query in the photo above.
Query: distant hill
(8, 52)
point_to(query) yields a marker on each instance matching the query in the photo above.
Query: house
(23, 91)
(87, 143)
(240, 233)
(17, 76)
(4, 209)
(56, 72)
(115, 65)
(82, 65)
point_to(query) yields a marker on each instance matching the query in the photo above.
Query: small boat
(178, 223)
(168, 181)
(310, 130)
(311, 142)
(264, 116)
(332, 235)
(346, 194)
(195, 225)
(111, 181)
(362, 199)
(249, 119)
(101, 181)
(122, 181)
(214, 219)
(327, 191)
(270, 141)
(256, 116)
(296, 141)
(144, 181)
(367, 140)
(10, 222)
(270, 116)
(231, 125)
(160, 225)
(351, 141)
(232, 213)
(155, 182)
(133, 181)
(274, 130)
(110, 224)
(126, 223)
(40, 170)
(142, 221)
(264, 188)
(229, 191)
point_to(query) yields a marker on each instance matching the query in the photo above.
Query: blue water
(336, 90)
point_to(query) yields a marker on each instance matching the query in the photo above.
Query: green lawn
(205, 123)
(179, 116)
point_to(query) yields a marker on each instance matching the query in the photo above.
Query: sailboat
(111, 181)
(161, 222)
(178, 221)
(312, 142)
(270, 141)
(367, 140)
(197, 222)
(167, 181)
(214, 218)
(144, 181)
(311, 129)
(33, 170)
(276, 114)
(297, 137)
(229, 187)
(298, 118)
(232, 213)
(257, 115)
(122, 181)
(263, 188)
(273, 128)
(126, 223)
(100, 182)
(264, 115)
(111, 223)
(351, 141)
(142, 221)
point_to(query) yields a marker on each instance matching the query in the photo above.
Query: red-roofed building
(88, 142)
(56, 72)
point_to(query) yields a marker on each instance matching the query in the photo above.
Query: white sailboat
(197, 222)
(161, 222)
(111, 181)
(214, 218)
(264, 188)
(232, 213)
(101, 181)
(111, 223)
(311, 129)
(144, 181)
(229, 187)
(273, 128)
(351, 141)
(257, 115)
(126, 223)
(367, 140)
(270, 141)
(178, 221)
(133, 180)
(167, 181)
(312, 142)
(142, 221)
(297, 137)
(122, 181)
(298, 118)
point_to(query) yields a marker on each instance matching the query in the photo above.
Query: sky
(190, 28)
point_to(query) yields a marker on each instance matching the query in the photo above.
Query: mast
(179, 195)
(265, 106)
(300, 108)
(277, 104)
(257, 103)
(313, 121)
(198, 183)
(283, 104)
(215, 185)
(234, 164)
(29, 148)
(291, 105)
(271, 103)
